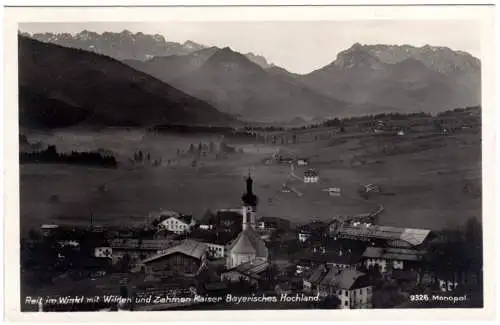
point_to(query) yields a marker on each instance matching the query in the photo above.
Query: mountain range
(363, 79)
(236, 85)
(127, 45)
(407, 78)
(60, 86)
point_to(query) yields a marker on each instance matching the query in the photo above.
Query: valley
(430, 174)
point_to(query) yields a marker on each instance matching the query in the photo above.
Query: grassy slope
(105, 91)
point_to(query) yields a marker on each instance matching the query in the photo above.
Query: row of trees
(50, 155)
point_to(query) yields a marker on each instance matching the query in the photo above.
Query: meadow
(435, 178)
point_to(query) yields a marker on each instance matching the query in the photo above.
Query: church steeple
(249, 198)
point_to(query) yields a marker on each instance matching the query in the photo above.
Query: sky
(301, 46)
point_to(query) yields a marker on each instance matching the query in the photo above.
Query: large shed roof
(413, 236)
(188, 247)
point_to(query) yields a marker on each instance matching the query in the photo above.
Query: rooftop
(336, 255)
(188, 247)
(341, 278)
(252, 268)
(413, 236)
(248, 242)
(401, 254)
(310, 173)
(164, 214)
(145, 244)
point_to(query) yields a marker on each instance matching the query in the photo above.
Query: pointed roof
(248, 242)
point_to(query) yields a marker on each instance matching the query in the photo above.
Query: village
(245, 256)
(176, 261)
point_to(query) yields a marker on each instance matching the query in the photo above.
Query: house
(338, 257)
(353, 288)
(311, 176)
(248, 245)
(273, 223)
(216, 241)
(185, 259)
(48, 229)
(312, 230)
(359, 220)
(302, 162)
(333, 191)
(285, 160)
(342, 258)
(249, 271)
(389, 258)
(177, 224)
(103, 252)
(136, 249)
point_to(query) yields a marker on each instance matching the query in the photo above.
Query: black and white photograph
(240, 165)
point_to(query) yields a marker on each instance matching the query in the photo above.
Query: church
(248, 246)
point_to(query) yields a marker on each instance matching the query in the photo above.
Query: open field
(431, 175)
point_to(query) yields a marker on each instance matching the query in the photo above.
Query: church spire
(249, 198)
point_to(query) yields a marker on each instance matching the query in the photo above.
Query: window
(346, 293)
(346, 303)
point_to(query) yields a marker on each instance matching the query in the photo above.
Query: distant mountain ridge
(363, 79)
(236, 85)
(128, 46)
(438, 58)
(60, 86)
(407, 78)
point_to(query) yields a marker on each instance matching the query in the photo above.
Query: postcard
(249, 163)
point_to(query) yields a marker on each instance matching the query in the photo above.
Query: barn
(186, 259)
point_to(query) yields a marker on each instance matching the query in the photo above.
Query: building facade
(186, 259)
(311, 176)
(177, 224)
(392, 258)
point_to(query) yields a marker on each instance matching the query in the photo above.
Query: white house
(388, 257)
(302, 162)
(177, 224)
(216, 250)
(311, 176)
